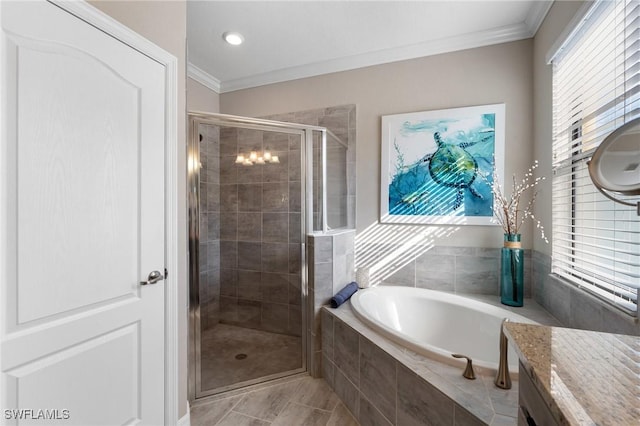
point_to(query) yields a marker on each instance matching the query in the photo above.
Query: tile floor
(300, 401)
(233, 355)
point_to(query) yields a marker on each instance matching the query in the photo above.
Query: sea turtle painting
(438, 165)
(452, 166)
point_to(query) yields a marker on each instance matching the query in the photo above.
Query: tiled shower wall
(260, 234)
(341, 120)
(209, 226)
(337, 184)
(250, 221)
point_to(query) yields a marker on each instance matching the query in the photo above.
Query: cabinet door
(532, 410)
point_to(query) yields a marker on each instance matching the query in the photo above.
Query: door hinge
(166, 273)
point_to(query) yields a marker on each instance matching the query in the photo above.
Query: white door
(81, 223)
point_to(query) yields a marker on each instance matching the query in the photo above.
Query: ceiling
(286, 40)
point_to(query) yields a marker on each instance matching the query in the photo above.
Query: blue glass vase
(512, 271)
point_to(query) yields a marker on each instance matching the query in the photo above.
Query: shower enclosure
(256, 189)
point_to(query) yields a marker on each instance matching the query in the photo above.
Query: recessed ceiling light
(233, 38)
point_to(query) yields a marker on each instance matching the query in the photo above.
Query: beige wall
(554, 24)
(201, 98)
(494, 74)
(165, 24)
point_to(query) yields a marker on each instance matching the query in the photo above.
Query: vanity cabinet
(532, 410)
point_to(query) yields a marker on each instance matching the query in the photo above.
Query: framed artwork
(437, 166)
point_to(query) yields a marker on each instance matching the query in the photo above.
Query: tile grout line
(397, 393)
(313, 408)
(288, 401)
(231, 409)
(252, 417)
(349, 413)
(291, 401)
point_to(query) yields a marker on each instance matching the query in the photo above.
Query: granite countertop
(585, 377)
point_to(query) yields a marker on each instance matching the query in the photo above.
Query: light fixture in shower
(255, 157)
(233, 38)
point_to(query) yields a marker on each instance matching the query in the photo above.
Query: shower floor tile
(232, 354)
(296, 402)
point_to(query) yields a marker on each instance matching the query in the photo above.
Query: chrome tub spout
(503, 380)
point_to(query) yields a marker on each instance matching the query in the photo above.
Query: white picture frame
(436, 166)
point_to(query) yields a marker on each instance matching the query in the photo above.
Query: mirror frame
(596, 173)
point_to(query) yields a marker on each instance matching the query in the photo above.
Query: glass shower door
(248, 196)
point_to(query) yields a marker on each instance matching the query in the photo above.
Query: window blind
(596, 89)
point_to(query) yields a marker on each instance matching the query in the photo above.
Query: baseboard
(186, 419)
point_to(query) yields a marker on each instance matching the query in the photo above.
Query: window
(596, 89)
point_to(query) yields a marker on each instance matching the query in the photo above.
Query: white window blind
(596, 89)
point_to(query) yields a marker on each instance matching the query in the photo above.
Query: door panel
(83, 159)
(62, 230)
(112, 358)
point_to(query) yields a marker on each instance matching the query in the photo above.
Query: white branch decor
(508, 212)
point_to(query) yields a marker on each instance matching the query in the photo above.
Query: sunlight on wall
(385, 248)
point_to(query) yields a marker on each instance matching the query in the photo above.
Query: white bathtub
(437, 324)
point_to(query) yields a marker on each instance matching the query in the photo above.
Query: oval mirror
(615, 165)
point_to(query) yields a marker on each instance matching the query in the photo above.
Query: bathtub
(437, 324)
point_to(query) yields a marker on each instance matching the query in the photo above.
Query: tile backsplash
(575, 307)
(471, 270)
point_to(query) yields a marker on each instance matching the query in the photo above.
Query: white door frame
(110, 26)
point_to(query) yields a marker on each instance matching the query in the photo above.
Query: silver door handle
(153, 278)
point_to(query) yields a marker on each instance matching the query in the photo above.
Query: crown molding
(467, 41)
(536, 15)
(524, 30)
(203, 78)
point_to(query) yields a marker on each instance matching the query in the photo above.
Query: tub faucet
(468, 371)
(503, 380)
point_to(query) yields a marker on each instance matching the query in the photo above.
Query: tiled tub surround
(331, 267)
(463, 270)
(382, 383)
(475, 270)
(575, 307)
(564, 362)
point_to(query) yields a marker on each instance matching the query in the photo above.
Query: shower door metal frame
(305, 132)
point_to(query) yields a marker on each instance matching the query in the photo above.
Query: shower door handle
(153, 278)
